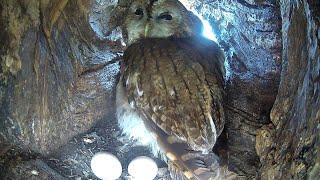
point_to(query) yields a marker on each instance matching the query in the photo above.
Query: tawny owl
(170, 91)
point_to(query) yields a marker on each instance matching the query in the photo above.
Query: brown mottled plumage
(177, 83)
(171, 87)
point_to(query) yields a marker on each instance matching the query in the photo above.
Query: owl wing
(178, 84)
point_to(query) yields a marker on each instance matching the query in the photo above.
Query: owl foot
(204, 167)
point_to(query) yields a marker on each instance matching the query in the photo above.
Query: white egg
(143, 168)
(106, 166)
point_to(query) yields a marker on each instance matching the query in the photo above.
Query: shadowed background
(59, 69)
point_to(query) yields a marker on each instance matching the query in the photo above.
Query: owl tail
(184, 163)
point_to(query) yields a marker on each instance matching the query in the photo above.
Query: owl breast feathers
(177, 83)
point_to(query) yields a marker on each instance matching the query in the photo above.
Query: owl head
(159, 19)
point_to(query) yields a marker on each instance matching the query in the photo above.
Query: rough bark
(292, 151)
(249, 33)
(58, 74)
(27, 166)
(54, 83)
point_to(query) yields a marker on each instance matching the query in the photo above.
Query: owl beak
(146, 30)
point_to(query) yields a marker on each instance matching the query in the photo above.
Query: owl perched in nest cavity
(170, 91)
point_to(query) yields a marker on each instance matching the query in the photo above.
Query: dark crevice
(97, 67)
(252, 6)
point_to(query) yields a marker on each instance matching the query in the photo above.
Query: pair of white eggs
(106, 166)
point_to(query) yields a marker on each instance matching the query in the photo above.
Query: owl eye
(165, 16)
(139, 12)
